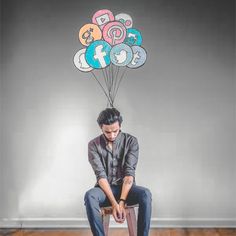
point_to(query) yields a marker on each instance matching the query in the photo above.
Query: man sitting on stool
(114, 156)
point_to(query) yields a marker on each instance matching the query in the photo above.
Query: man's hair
(109, 116)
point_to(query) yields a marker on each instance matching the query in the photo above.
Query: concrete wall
(180, 105)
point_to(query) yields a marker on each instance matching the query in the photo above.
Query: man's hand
(118, 212)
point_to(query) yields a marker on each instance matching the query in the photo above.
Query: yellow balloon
(89, 33)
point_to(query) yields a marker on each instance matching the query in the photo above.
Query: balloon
(102, 17)
(114, 32)
(139, 57)
(121, 54)
(125, 19)
(80, 62)
(133, 37)
(89, 33)
(98, 54)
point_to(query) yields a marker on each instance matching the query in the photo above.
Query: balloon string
(105, 78)
(106, 75)
(121, 78)
(116, 78)
(115, 82)
(112, 78)
(109, 78)
(104, 91)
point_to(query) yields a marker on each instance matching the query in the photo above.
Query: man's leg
(93, 199)
(143, 197)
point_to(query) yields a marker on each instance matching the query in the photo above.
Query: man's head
(110, 121)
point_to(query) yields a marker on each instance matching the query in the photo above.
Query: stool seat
(130, 217)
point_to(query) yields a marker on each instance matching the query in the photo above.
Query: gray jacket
(125, 153)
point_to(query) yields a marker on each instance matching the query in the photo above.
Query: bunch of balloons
(111, 43)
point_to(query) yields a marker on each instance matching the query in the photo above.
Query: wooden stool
(130, 217)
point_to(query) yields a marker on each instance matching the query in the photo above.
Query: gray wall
(180, 105)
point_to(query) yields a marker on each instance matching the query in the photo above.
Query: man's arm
(105, 186)
(116, 211)
(127, 184)
(129, 169)
(95, 161)
(101, 176)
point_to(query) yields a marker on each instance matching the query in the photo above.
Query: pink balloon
(102, 17)
(114, 32)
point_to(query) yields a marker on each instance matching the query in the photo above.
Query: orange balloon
(89, 33)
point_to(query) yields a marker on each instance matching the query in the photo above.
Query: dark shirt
(117, 163)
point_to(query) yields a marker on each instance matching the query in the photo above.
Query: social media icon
(125, 19)
(121, 54)
(133, 37)
(89, 33)
(139, 57)
(98, 54)
(121, 57)
(80, 62)
(102, 17)
(114, 32)
(87, 36)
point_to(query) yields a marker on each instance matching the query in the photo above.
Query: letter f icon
(99, 55)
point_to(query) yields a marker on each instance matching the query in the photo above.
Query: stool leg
(106, 221)
(131, 221)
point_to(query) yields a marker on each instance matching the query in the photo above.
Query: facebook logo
(98, 54)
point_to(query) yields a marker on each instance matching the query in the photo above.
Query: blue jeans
(96, 198)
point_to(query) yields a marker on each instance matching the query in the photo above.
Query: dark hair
(109, 116)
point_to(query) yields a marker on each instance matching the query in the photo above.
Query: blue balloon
(139, 57)
(133, 37)
(121, 54)
(98, 54)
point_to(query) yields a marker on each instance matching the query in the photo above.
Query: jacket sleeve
(95, 161)
(131, 158)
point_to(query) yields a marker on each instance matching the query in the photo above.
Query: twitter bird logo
(121, 54)
(121, 57)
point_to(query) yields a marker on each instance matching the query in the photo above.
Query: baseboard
(193, 223)
(73, 223)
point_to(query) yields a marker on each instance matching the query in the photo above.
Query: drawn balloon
(80, 61)
(133, 37)
(102, 17)
(111, 46)
(121, 54)
(89, 33)
(114, 32)
(98, 54)
(125, 19)
(139, 57)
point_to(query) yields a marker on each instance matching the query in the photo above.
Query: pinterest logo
(114, 32)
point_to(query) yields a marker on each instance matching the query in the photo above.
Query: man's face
(111, 131)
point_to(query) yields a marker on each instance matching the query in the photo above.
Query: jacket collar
(116, 141)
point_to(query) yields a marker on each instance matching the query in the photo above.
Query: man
(114, 156)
